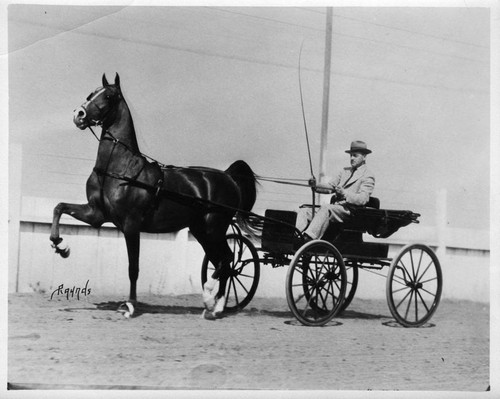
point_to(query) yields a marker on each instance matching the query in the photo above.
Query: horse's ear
(104, 80)
(117, 80)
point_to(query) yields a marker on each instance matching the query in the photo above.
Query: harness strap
(158, 192)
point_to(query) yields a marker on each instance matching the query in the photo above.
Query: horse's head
(99, 104)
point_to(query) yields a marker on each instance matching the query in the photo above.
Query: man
(352, 186)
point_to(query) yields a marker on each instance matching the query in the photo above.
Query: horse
(137, 195)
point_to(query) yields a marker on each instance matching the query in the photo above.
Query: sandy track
(84, 343)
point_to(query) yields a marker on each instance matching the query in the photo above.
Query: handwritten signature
(71, 292)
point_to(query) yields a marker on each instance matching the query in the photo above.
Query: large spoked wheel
(414, 285)
(352, 271)
(316, 283)
(244, 272)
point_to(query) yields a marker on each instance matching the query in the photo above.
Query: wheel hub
(414, 285)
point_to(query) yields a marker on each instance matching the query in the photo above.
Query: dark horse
(137, 195)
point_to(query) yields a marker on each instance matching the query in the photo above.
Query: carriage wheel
(244, 272)
(352, 272)
(414, 285)
(316, 283)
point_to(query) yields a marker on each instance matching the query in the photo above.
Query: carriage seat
(373, 202)
(380, 223)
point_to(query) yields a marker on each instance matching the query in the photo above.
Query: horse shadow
(141, 308)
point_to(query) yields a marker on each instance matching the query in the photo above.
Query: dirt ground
(86, 344)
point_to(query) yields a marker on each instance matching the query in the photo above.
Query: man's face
(357, 159)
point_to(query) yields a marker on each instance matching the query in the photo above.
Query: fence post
(441, 223)
(15, 179)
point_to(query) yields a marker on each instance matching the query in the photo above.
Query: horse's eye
(88, 97)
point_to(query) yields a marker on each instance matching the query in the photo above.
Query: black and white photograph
(258, 199)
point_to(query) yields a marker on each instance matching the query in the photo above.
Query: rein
(116, 141)
(190, 200)
(292, 182)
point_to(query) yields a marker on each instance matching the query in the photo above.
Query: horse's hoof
(209, 301)
(210, 315)
(220, 303)
(65, 252)
(127, 309)
(209, 290)
(62, 250)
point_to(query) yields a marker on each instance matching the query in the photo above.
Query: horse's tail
(246, 181)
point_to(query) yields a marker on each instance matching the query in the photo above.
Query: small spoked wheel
(243, 275)
(414, 285)
(316, 283)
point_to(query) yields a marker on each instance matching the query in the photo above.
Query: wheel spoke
(242, 264)
(234, 279)
(425, 271)
(245, 275)
(320, 295)
(402, 300)
(423, 301)
(416, 305)
(308, 304)
(409, 304)
(231, 282)
(426, 281)
(412, 266)
(332, 292)
(405, 287)
(419, 263)
(429, 292)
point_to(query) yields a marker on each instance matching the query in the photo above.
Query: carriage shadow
(353, 314)
(386, 320)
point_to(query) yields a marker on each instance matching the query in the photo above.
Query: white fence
(170, 263)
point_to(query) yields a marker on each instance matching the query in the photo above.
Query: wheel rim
(414, 285)
(244, 273)
(316, 283)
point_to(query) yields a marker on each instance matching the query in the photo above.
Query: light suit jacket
(357, 188)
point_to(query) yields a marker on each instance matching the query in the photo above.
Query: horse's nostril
(80, 113)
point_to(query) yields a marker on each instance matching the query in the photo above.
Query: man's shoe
(301, 240)
(306, 238)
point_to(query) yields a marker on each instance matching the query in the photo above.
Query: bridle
(81, 111)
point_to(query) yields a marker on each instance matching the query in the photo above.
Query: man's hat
(359, 146)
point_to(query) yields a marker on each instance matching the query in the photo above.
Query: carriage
(138, 194)
(323, 274)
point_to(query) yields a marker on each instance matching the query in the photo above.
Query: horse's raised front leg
(85, 213)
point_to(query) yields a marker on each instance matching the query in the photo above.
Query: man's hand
(339, 193)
